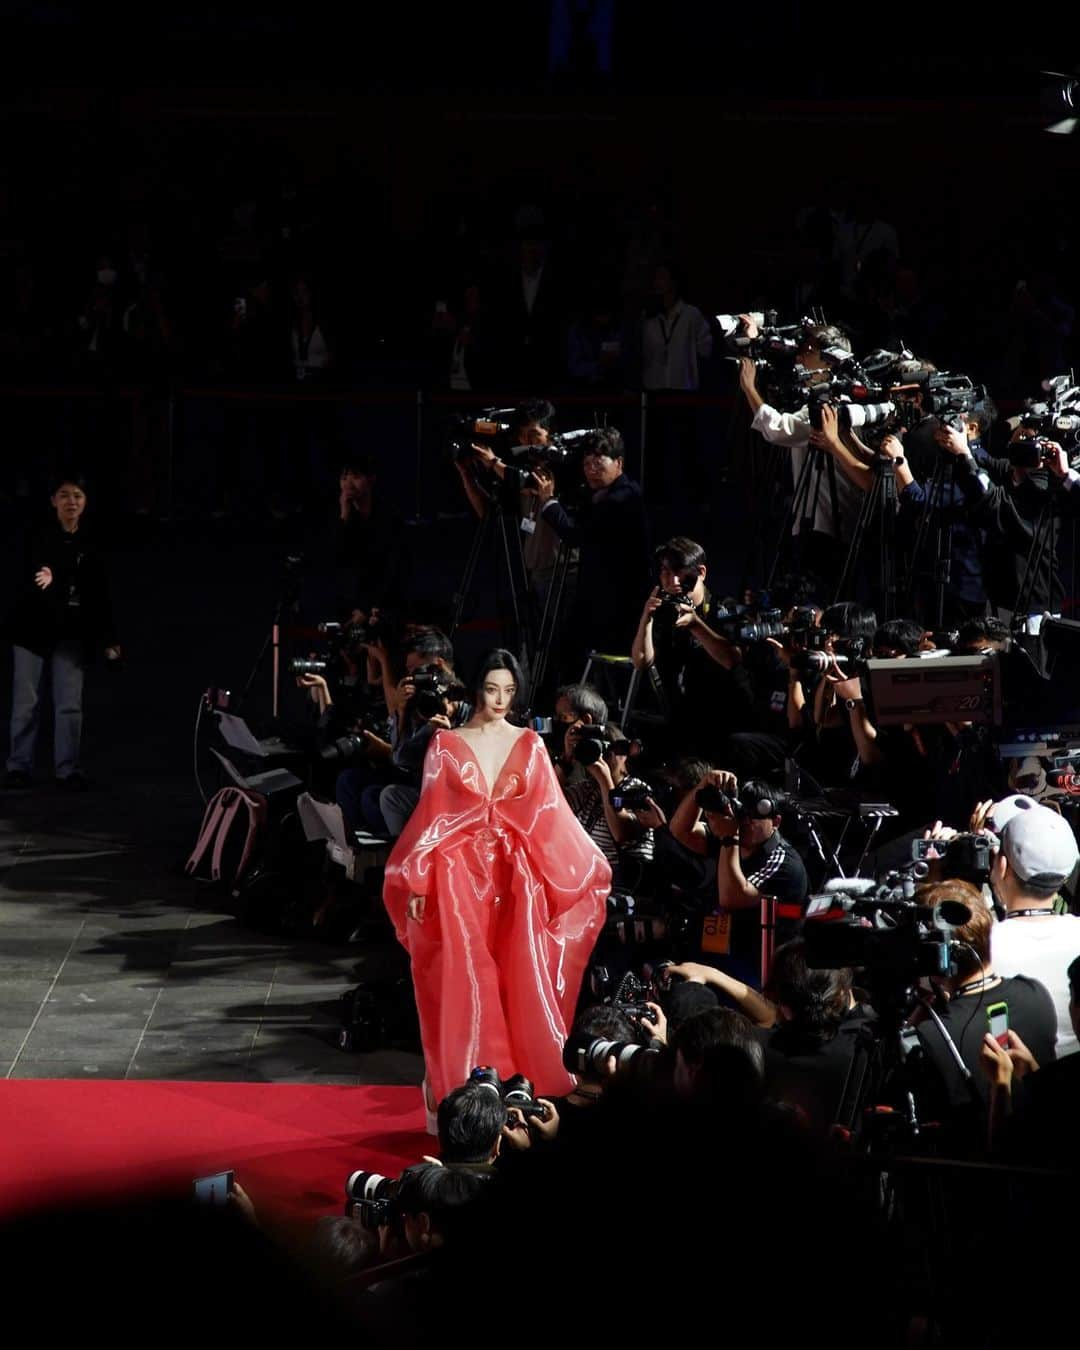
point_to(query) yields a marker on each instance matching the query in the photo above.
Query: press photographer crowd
(838, 806)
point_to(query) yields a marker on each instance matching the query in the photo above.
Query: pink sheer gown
(516, 893)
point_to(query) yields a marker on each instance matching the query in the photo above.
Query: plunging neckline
(502, 767)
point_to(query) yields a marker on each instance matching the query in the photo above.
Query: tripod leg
(468, 576)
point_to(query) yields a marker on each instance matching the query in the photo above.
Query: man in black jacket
(611, 530)
(1020, 508)
(62, 614)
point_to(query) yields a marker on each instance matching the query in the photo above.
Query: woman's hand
(43, 578)
(415, 908)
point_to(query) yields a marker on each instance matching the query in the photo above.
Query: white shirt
(1042, 949)
(317, 356)
(671, 346)
(793, 430)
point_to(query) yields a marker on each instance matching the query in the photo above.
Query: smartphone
(215, 1190)
(997, 1020)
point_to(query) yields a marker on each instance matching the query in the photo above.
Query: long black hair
(501, 659)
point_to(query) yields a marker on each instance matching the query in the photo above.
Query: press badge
(528, 525)
(716, 934)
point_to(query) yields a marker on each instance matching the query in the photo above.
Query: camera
(1057, 417)
(716, 800)
(630, 795)
(370, 1198)
(461, 432)
(879, 927)
(747, 626)
(1031, 452)
(516, 1091)
(586, 1055)
(967, 857)
(309, 666)
(951, 398)
(592, 745)
(433, 690)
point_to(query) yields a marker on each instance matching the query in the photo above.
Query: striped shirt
(587, 804)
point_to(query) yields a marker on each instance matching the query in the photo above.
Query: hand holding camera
(541, 482)
(951, 439)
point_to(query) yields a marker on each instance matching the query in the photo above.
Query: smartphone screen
(213, 1190)
(997, 1018)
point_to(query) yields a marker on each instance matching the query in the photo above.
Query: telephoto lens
(301, 666)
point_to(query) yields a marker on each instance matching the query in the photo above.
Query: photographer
(1019, 502)
(471, 1122)
(832, 503)
(611, 530)
(368, 545)
(705, 688)
(809, 1051)
(960, 1002)
(929, 505)
(1038, 855)
(754, 863)
(507, 487)
(576, 706)
(618, 834)
(388, 799)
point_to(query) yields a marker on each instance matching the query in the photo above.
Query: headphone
(765, 807)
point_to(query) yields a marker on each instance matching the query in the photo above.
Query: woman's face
(69, 502)
(497, 693)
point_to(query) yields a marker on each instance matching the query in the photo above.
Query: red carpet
(291, 1146)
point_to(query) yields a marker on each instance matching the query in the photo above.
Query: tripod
(494, 524)
(272, 641)
(878, 510)
(939, 497)
(1043, 546)
(805, 500)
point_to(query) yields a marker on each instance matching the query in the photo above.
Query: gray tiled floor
(110, 967)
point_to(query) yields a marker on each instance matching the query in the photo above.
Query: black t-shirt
(1031, 1016)
(776, 870)
(812, 1077)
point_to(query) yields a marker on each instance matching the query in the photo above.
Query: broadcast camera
(1056, 417)
(462, 432)
(878, 926)
(341, 640)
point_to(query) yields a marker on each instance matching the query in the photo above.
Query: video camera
(879, 927)
(966, 857)
(462, 432)
(514, 1092)
(1056, 417)
(433, 689)
(951, 398)
(342, 639)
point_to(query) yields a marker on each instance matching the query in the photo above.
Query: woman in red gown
(498, 895)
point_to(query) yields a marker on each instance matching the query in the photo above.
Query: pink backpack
(230, 830)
